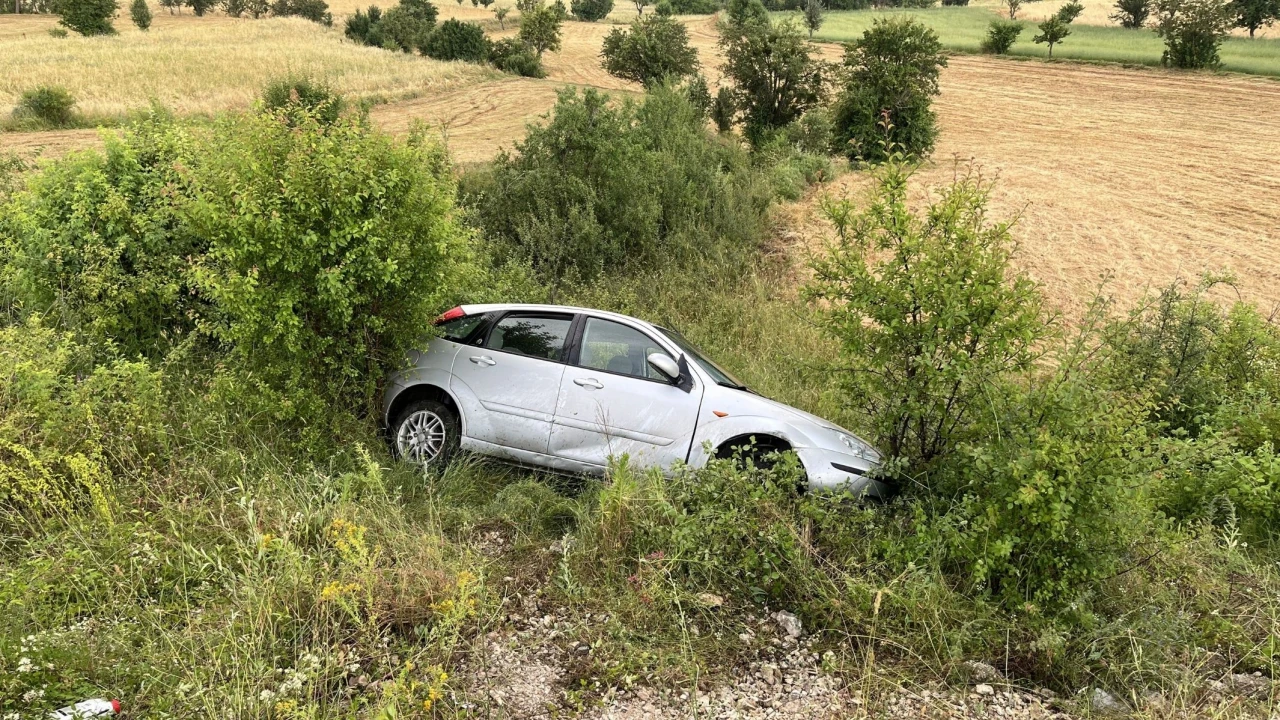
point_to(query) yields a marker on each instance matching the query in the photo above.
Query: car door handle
(483, 360)
(592, 383)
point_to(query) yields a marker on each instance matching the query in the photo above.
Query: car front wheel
(426, 433)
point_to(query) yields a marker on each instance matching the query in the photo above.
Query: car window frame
(482, 341)
(581, 328)
(479, 332)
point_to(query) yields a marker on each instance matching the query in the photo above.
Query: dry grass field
(1136, 175)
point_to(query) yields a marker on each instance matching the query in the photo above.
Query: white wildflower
(24, 665)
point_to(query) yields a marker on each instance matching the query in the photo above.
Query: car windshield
(715, 371)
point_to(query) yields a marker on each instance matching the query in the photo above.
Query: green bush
(603, 186)
(366, 28)
(404, 27)
(1132, 13)
(314, 10)
(511, 55)
(928, 315)
(776, 74)
(1001, 35)
(88, 17)
(655, 49)
(540, 29)
(695, 7)
(591, 10)
(891, 76)
(455, 40)
(301, 94)
(140, 13)
(724, 109)
(48, 105)
(1192, 31)
(74, 420)
(312, 253)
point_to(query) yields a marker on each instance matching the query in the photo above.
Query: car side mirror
(665, 365)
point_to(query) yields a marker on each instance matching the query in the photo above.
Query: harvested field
(1134, 174)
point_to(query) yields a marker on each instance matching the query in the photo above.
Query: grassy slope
(962, 29)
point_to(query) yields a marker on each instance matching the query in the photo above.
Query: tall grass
(962, 29)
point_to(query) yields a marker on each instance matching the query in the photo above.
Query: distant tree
(456, 40)
(500, 13)
(723, 110)
(891, 73)
(1052, 31)
(1001, 35)
(88, 17)
(407, 25)
(656, 48)
(1192, 31)
(257, 8)
(365, 28)
(200, 7)
(640, 6)
(1070, 11)
(1014, 6)
(234, 8)
(140, 13)
(699, 94)
(512, 55)
(742, 12)
(1132, 13)
(775, 73)
(591, 10)
(173, 6)
(540, 29)
(813, 16)
(665, 8)
(1254, 14)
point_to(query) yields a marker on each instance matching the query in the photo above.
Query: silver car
(567, 389)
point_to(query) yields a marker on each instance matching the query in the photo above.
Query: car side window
(459, 329)
(617, 348)
(540, 336)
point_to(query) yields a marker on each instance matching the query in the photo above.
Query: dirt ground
(1139, 176)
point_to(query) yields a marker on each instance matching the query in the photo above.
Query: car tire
(426, 433)
(761, 453)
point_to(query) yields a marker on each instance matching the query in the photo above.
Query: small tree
(891, 73)
(173, 6)
(1192, 31)
(656, 48)
(1001, 35)
(640, 6)
(1254, 14)
(500, 13)
(88, 17)
(540, 29)
(140, 12)
(927, 311)
(723, 109)
(743, 12)
(512, 55)
(813, 16)
(775, 75)
(47, 105)
(1058, 26)
(1014, 6)
(1132, 13)
(200, 7)
(456, 40)
(591, 10)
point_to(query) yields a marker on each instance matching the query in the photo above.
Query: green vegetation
(591, 10)
(1132, 14)
(962, 29)
(140, 13)
(196, 321)
(88, 17)
(775, 72)
(540, 28)
(405, 26)
(1192, 30)
(456, 40)
(890, 79)
(47, 106)
(653, 50)
(1056, 29)
(1001, 35)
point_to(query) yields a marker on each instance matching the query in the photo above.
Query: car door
(509, 383)
(613, 403)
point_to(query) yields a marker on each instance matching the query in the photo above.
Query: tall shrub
(88, 17)
(890, 73)
(1192, 31)
(591, 10)
(776, 76)
(140, 13)
(928, 314)
(456, 40)
(654, 49)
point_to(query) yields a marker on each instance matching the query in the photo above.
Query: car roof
(502, 307)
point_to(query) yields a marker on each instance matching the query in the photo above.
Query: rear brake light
(453, 314)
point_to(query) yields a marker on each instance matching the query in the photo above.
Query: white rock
(788, 623)
(1105, 703)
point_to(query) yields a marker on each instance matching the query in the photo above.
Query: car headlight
(859, 448)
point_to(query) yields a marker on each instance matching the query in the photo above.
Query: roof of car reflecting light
(502, 307)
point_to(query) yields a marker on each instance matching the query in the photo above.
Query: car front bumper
(833, 471)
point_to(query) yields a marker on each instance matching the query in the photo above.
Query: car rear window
(460, 329)
(540, 336)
